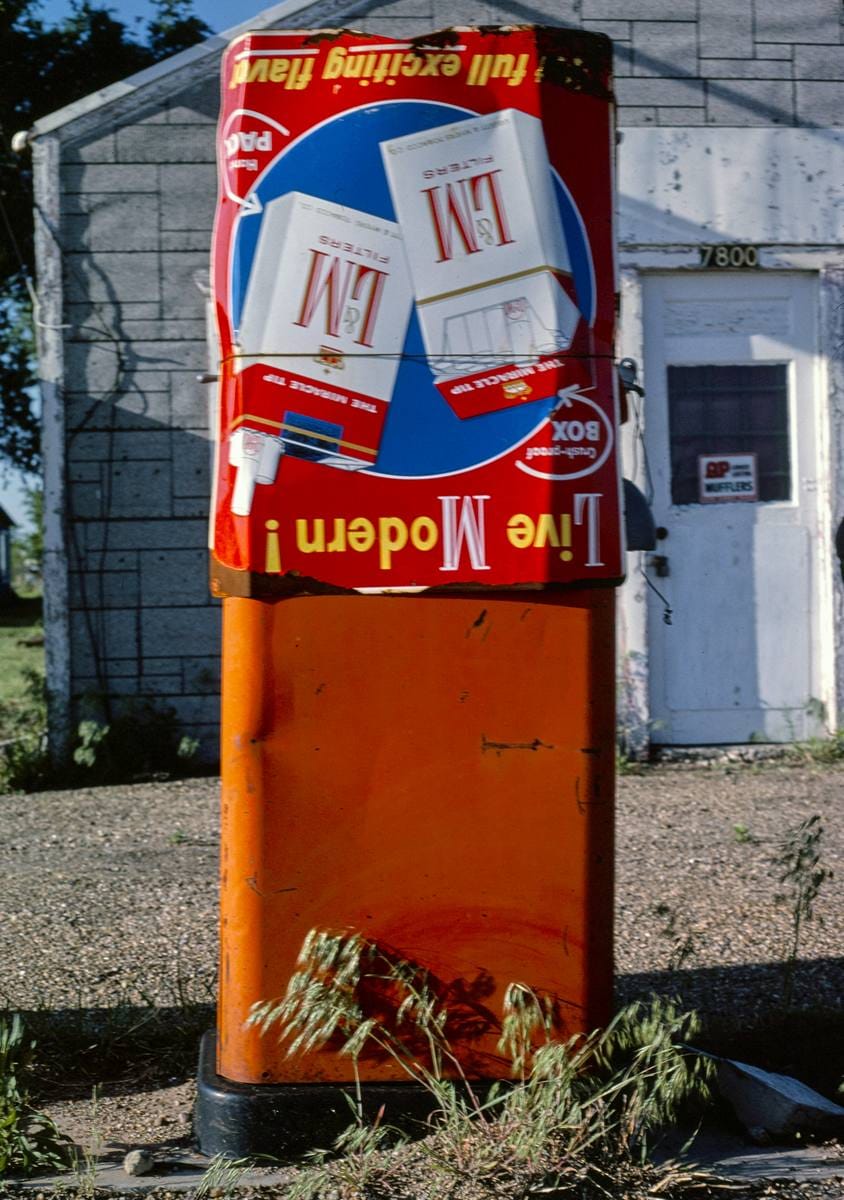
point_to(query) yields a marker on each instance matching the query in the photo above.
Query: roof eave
(157, 75)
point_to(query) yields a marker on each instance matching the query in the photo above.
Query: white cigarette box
(484, 241)
(327, 308)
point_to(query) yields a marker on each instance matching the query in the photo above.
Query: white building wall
(778, 189)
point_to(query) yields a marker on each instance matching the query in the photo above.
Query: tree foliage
(43, 68)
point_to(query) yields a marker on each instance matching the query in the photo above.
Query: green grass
(23, 758)
(20, 621)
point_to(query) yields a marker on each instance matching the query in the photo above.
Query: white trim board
(49, 330)
(764, 185)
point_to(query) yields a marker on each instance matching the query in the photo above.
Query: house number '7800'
(729, 256)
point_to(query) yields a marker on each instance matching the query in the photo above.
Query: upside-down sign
(413, 275)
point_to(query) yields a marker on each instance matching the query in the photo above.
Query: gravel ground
(694, 871)
(108, 895)
(108, 924)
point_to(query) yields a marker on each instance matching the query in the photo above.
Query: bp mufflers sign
(414, 287)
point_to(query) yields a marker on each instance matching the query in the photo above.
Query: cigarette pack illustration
(322, 328)
(488, 256)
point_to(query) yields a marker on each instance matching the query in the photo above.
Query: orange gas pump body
(433, 772)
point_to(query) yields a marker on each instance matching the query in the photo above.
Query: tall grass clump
(576, 1117)
(29, 1141)
(800, 871)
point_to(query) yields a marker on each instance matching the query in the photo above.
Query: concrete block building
(730, 170)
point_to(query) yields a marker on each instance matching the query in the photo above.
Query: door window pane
(729, 410)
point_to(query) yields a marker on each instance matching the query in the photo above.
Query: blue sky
(218, 14)
(12, 496)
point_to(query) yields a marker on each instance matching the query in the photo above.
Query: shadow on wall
(734, 105)
(143, 626)
(134, 237)
(137, 627)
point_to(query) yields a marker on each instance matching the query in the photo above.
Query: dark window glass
(729, 410)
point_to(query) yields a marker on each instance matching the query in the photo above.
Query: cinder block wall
(137, 203)
(137, 199)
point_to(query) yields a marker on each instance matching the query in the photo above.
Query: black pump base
(243, 1120)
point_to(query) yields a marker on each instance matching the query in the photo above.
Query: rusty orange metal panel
(436, 773)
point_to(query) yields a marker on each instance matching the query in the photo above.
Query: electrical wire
(667, 610)
(24, 270)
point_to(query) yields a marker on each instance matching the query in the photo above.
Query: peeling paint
(757, 185)
(440, 39)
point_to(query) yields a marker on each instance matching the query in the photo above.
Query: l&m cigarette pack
(329, 288)
(487, 255)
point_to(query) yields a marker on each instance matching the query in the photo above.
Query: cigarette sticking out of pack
(323, 325)
(255, 456)
(488, 257)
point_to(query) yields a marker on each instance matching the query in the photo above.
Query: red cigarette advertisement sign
(414, 288)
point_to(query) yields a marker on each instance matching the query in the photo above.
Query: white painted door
(732, 412)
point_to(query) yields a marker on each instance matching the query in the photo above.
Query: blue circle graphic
(340, 161)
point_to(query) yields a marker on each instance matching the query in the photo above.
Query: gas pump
(417, 537)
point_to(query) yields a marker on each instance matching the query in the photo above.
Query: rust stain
(536, 744)
(576, 60)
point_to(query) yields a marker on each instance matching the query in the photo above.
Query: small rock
(138, 1162)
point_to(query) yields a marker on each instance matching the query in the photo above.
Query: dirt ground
(108, 932)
